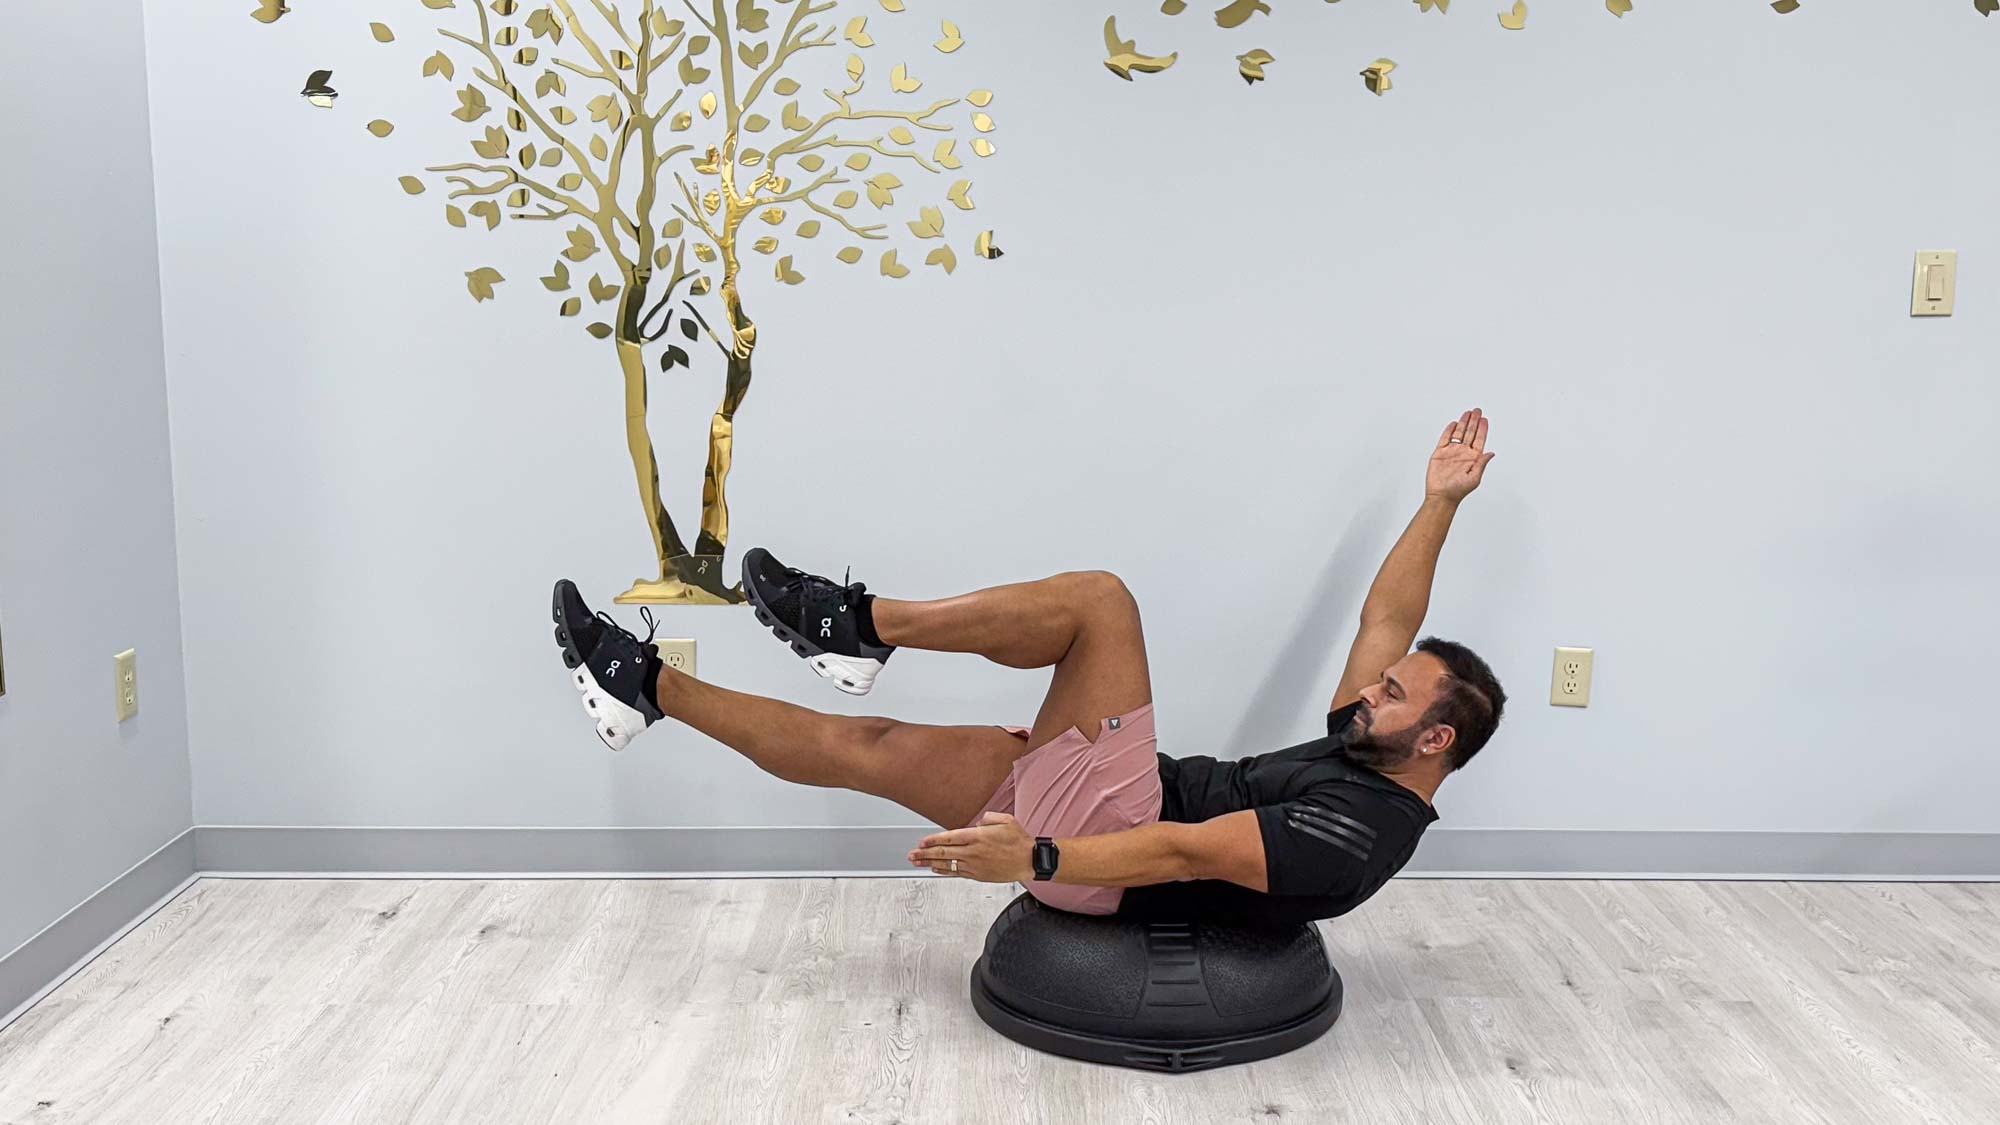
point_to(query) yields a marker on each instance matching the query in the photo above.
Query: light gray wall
(86, 500)
(1670, 254)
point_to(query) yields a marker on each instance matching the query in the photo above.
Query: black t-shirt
(1334, 832)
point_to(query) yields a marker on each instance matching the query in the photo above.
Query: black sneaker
(608, 665)
(817, 617)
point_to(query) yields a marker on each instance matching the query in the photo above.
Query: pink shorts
(1074, 787)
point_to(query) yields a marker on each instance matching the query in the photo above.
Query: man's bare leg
(1084, 623)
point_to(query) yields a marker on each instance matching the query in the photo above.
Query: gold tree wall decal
(681, 138)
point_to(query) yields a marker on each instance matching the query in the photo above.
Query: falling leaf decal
(1785, 7)
(270, 11)
(985, 247)
(846, 199)
(599, 330)
(942, 256)
(440, 63)
(558, 281)
(381, 128)
(708, 104)
(601, 291)
(1376, 77)
(952, 40)
(809, 229)
(381, 33)
(980, 98)
(901, 82)
(961, 195)
(571, 307)
(946, 157)
(773, 215)
(881, 187)
(1251, 65)
(982, 122)
(480, 282)
(892, 5)
(453, 215)
(1618, 7)
(850, 255)
(1516, 19)
(855, 68)
(765, 245)
(582, 245)
(411, 184)
(982, 147)
(892, 268)
(488, 210)
(1238, 13)
(471, 105)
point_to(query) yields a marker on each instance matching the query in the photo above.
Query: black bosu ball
(1153, 994)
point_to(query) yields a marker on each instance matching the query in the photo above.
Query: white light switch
(1935, 289)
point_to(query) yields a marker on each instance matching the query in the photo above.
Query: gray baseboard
(50, 957)
(694, 852)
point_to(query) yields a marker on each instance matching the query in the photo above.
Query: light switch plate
(1570, 685)
(1934, 286)
(677, 653)
(128, 683)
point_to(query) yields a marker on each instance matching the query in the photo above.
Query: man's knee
(1099, 593)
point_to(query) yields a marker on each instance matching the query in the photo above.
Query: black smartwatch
(1047, 855)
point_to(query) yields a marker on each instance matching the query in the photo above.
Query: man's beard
(1377, 752)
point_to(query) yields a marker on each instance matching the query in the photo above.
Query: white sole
(617, 724)
(851, 674)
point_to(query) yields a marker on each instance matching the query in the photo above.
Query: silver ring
(1458, 441)
(954, 866)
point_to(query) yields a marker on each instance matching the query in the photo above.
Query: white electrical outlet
(677, 653)
(127, 663)
(1570, 686)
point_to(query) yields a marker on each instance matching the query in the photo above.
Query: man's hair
(1469, 700)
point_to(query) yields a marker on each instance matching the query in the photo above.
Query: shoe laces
(645, 614)
(844, 592)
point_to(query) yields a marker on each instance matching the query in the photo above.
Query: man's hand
(998, 850)
(1459, 462)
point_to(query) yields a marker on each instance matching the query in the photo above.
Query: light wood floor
(818, 1000)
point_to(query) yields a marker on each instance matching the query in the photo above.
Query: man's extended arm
(1401, 595)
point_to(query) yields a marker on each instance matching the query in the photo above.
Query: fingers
(1478, 440)
(955, 836)
(1444, 439)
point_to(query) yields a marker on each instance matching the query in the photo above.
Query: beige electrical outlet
(677, 653)
(1934, 290)
(128, 683)
(1570, 686)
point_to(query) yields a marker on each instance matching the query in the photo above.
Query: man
(1081, 808)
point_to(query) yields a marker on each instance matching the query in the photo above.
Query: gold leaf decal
(494, 147)
(756, 123)
(712, 202)
(892, 5)
(570, 182)
(942, 256)
(750, 17)
(846, 199)
(785, 87)
(549, 82)
(753, 57)
(855, 68)
(857, 32)
(605, 108)
(662, 258)
(859, 161)
(946, 157)
(381, 33)
(699, 287)
(812, 162)
(662, 26)
(901, 135)
(683, 121)
(794, 120)
(622, 60)
(518, 197)
(507, 36)
(692, 75)
(551, 157)
(412, 185)
(506, 7)
(765, 245)
(471, 105)
(517, 121)
(599, 149)
(270, 11)
(880, 187)
(982, 147)
(526, 56)
(901, 82)
(571, 307)
(481, 282)
(1376, 77)
(1618, 7)
(600, 291)
(543, 23)
(710, 165)
(488, 210)
(558, 281)
(1251, 64)
(698, 45)
(892, 268)
(380, 127)
(1986, 7)
(672, 229)
(1176, 7)
(1123, 55)
(786, 273)
(1422, 5)
(982, 122)
(1238, 13)
(563, 115)
(1785, 7)
(440, 63)
(952, 40)
(930, 224)
(985, 247)
(454, 216)
(980, 98)
(1516, 19)
(850, 255)
(704, 251)
(708, 104)
(527, 156)
(582, 244)
(600, 330)
(809, 229)
(961, 195)
(440, 5)
(773, 215)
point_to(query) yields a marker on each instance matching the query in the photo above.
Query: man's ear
(1438, 739)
